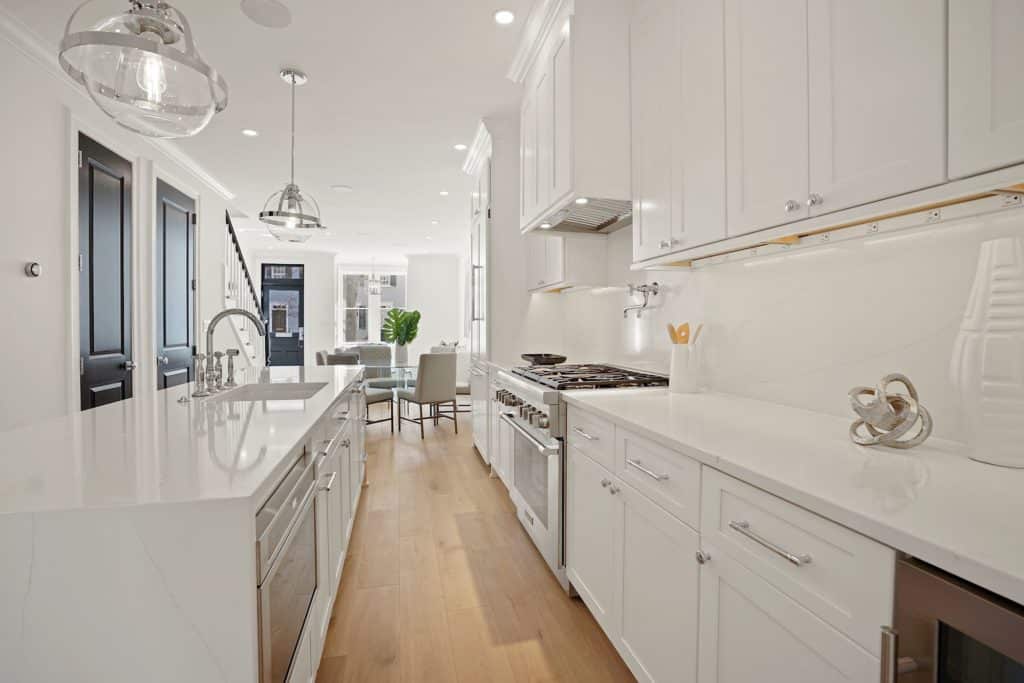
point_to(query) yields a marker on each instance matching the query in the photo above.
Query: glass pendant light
(141, 66)
(290, 216)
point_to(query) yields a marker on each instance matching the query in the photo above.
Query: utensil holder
(684, 370)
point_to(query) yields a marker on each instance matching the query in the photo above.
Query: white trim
(478, 152)
(35, 48)
(75, 126)
(949, 191)
(537, 26)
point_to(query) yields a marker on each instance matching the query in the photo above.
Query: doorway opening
(284, 307)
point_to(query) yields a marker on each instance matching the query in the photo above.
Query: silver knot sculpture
(885, 417)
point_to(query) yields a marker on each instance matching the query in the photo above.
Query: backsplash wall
(803, 329)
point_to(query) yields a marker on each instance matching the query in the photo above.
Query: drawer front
(844, 578)
(670, 479)
(592, 435)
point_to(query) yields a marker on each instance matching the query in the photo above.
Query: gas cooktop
(571, 376)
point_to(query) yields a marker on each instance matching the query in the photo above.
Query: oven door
(537, 488)
(286, 594)
(949, 631)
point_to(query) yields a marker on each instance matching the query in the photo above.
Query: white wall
(320, 284)
(434, 288)
(805, 329)
(37, 116)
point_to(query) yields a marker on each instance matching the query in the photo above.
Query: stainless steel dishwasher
(286, 568)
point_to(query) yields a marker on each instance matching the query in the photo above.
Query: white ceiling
(393, 86)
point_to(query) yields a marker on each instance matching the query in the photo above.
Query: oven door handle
(544, 450)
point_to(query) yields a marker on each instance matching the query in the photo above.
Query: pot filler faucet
(211, 379)
(647, 291)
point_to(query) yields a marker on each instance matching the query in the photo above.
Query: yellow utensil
(672, 334)
(683, 333)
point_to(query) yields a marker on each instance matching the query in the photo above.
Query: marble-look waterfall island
(172, 538)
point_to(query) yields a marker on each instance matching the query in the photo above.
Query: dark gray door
(284, 308)
(105, 278)
(175, 286)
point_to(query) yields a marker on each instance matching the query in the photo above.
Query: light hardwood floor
(442, 584)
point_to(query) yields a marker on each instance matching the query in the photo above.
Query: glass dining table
(391, 376)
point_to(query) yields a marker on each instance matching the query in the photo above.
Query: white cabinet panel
(561, 114)
(877, 99)
(528, 156)
(751, 633)
(766, 112)
(659, 589)
(590, 544)
(479, 400)
(654, 49)
(986, 100)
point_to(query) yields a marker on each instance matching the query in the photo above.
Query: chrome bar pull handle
(330, 482)
(586, 436)
(744, 528)
(890, 655)
(650, 473)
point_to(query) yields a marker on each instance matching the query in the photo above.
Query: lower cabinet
(751, 632)
(303, 665)
(634, 565)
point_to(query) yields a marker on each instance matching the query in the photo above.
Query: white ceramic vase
(683, 372)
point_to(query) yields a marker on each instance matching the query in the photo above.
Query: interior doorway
(175, 286)
(284, 307)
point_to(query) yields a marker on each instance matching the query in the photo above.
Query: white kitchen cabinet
(574, 116)
(558, 261)
(877, 97)
(658, 595)
(986, 101)
(766, 113)
(480, 400)
(750, 632)
(303, 668)
(591, 553)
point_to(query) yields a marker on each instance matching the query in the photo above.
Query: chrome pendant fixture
(141, 66)
(290, 216)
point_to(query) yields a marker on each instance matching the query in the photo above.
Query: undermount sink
(283, 391)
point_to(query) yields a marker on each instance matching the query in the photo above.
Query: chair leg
(455, 416)
(391, 414)
(399, 415)
(422, 435)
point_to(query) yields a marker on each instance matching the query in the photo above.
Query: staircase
(240, 292)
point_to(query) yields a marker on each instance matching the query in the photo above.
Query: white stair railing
(240, 292)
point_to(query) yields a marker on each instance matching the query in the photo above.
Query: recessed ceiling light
(444, 193)
(582, 200)
(250, 133)
(504, 17)
(341, 188)
(461, 147)
(545, 226)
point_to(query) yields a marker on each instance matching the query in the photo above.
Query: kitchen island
(129, 530)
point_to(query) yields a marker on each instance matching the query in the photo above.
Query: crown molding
(29, 43)
(538, 25)
(478, 152)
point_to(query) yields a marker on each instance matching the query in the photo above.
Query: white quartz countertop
(153, 449)
(931, 502)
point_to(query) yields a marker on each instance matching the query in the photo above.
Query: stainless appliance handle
(650, 473)
(890, 656)
(544, 450)
(744, 528)
(586, 436)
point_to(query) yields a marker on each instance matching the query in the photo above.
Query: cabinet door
(536, 260)
(766, 112)
(591, 554)
(337, 526)
(561, 113)
(543, 95)
(877, 99)
(751, 633)
(554, 259)
(659, 589)
(528, 158)
(654, 60)
(986, 101)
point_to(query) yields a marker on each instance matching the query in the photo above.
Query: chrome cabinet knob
(605, 483)
(814, 199)
(703, 557)
(665, 244)
(791, 206)
(613, 490)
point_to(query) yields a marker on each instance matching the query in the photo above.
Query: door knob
(163, 360)
(791, 206)
(814, 199)
(129, 365)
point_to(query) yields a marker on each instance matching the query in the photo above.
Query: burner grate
(577, 376)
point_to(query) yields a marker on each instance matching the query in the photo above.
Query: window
(364, 300)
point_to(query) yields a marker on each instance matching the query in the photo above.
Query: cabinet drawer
(670, 479)
(592, 435)
(844, 578)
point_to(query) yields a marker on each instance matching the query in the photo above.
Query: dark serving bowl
(543, 358)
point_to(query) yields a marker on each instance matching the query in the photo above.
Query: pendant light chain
(293, 130)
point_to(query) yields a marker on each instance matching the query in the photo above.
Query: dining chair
(375, 396)
(435, 386)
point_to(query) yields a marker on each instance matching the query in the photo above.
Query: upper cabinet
(574, 149)
(830, 105)
(986, 100)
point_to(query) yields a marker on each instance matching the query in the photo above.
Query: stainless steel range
(530, 402)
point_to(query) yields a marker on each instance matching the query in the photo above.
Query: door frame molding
(147, 363)
(76, 125)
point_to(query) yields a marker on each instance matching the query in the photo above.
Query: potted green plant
(400, 328)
